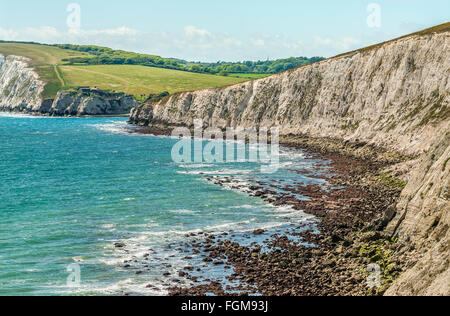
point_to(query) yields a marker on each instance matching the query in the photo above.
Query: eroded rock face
(93, 103)
(423, 219)
(394, 96)
(21, 89)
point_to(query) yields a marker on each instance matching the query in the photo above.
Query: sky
(220, 30)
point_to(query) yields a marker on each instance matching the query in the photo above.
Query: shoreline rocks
(81, 103)
(333, 265)
(88, 102)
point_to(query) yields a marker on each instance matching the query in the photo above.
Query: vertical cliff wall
(422, 221)
(20, 87)
(394, 96)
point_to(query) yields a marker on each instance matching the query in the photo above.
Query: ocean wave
(183, 212)
(108, 226)
(238, 207)
(118, 127)
(18, 115)
(195, 166)
(217, 172)
(112, 127)
(129, 286)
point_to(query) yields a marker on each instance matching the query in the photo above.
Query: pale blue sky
(211, 30)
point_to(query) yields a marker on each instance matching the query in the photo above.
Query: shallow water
(71, 188)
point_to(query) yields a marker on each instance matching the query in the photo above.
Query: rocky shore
(331, 257)
(352, 215)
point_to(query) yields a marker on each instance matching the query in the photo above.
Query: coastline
(352, 210)
(36, 114)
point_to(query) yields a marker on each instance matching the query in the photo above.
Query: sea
(88, 208)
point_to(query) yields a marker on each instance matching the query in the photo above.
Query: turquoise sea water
(71, 188)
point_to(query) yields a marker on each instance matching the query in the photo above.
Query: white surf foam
(17, 115)
(183, 212)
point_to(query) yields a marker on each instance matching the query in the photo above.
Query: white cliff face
(423, 219)
(394, 96)
(20, 87)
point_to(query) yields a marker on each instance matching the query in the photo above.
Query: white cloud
(340, 45)
(8, 34)
(120, 31)
(258, 42)
(192, 31)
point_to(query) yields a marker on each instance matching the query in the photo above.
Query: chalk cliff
(393, 96)
(20, 86)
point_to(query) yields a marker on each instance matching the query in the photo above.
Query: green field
(136, 80)
(139, 80)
